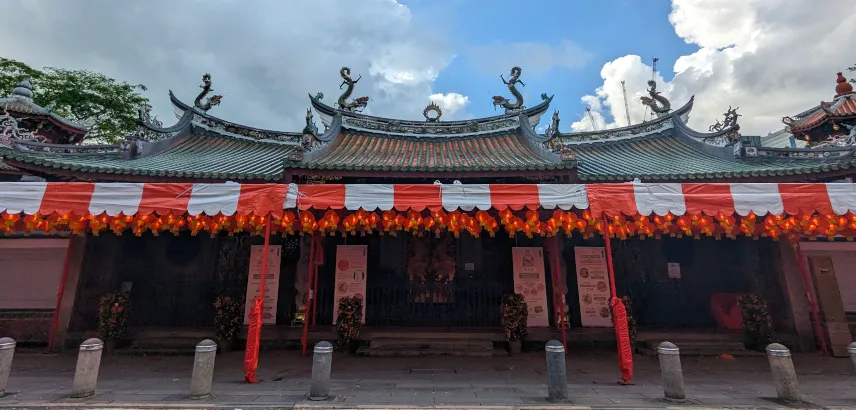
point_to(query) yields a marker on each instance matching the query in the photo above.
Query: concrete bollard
(7, 352)
(88, 364)
(671, 372)
(784, 375)
(322, 361)
(851, 348)
(203, 370)
(557, 374)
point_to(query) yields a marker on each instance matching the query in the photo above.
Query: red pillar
(59, 293)
(818, 331)
(254, 333)
(307, 306)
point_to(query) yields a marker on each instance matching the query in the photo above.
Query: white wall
(843, 256)
(30, 271)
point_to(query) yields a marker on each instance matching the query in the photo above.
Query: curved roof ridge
(184, 107)
(642, 129)
(332, 112)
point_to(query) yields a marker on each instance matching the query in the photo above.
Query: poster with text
(351, 275)
(593, 286)
(529, 281)
(254, 280)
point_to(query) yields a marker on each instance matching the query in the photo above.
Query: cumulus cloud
(771, 58)
(451, 103)
(539, 57)
(264, 56)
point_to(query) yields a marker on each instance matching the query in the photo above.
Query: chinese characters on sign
(351, 275)
(529, 281)
(254, 279)
(593, 286)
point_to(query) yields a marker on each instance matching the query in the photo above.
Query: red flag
(251, 356)
(622, 335)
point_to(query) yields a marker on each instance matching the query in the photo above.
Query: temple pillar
(301, 277)
(76, 250)
(794, 287)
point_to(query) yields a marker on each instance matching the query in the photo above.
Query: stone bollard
(88, 363)
(851, 348)
(322, 361)
(203, 370)
(671, 372)
(557, 375)
(7, 352)
(784, 375)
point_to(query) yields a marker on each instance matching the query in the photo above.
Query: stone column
(88, 364)
(784, 375)
(671, 372)
(557, 375)
(301, 276)
(7, 352)
(322, 362)
(850, 349)
(203, 369)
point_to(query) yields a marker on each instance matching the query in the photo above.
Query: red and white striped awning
(230, 198)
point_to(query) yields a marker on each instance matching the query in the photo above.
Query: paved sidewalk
(39, 380)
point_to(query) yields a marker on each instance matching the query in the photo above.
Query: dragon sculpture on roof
(212, 101)
(729, 121)
(659, 104)
(512, 82)
(358, 104)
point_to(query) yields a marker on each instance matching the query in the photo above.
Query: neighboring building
(829, 124)
(174, 279)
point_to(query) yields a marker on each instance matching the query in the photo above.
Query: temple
(423, 283)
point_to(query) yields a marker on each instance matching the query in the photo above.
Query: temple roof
(200, 147)
(842, 107)
(20, 101)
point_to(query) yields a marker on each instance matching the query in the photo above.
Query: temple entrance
(437, 281)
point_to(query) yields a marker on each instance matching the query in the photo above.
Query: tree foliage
(108, 107)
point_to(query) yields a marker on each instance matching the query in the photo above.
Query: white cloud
(451, 103)
(264, 56)
(771, 58)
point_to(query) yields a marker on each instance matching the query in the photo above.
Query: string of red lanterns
(530, 223)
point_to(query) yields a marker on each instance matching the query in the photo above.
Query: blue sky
(607, 29)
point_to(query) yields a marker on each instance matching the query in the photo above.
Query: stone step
(700, 345)
(432, 352)
(691, 352)
(384, 334)
(428, 344)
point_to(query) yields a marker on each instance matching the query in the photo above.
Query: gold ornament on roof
(436, 109)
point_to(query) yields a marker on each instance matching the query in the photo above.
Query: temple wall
(30, 274)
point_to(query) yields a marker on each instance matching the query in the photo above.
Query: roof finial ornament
(438, 112)
(842, 87)
(509, 106)
(357, 105)
(212, 101)
(24, 89)
(553, 128)
(659, 104)
(730, 121)
(310, 128)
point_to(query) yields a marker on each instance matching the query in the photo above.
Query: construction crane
(626, 105)
(591, 118)
(653, 79)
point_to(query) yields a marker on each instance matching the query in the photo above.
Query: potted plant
(228, 319)
(757, 323)
(113, 318)
(348, 322)
(515, 314)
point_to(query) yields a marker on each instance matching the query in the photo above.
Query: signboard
(529, 281)
(593, 286)
(254, 279)
(351, 274)
(674, 270)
